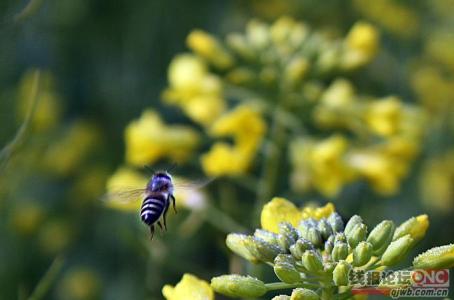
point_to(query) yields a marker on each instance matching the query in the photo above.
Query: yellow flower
(189, 288)
(223, 159)
(383, 117)
(315, 212)
(247, 128)
(148, 139)
(320, 165)
(383, 172)
(281, 210)
(361, 45)
(67, 154)
(440, 46)
(27, 217)
(48, 110)
(80, 283)
(394, 16)
(436, 183)
(196, 91)
(209, 48)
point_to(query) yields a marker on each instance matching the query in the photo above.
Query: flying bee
(156, 198)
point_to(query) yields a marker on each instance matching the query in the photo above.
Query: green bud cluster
(317, 256)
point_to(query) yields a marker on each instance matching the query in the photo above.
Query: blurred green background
(104, 62)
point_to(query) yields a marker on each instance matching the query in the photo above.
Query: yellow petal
(279, 210)
(189, 288)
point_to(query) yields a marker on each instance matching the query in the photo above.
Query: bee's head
(160, 182)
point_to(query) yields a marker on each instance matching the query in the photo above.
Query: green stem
(282, 286)
(11, 148)
(327, 293)
(267, 183)
(30, 9)
(48, 279)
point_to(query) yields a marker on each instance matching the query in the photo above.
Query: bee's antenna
(172, 167)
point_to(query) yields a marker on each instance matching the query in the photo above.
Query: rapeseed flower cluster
(288, 76)
(314, 257)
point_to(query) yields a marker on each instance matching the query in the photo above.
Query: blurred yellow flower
(281, 210)
(247, 128)
(440, 47)
(436, 183)
(382, 171)
(320, 164)
(361, 44)
(189, 288)
(26, 217)
(209, 48)
(383, 116)
(435, 90)
(393, 16)
(196, 91)
(48, 111)
(148, 139)
(68, 153)
(80, 283)
(55, 236)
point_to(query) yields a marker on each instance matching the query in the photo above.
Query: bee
(157, 197)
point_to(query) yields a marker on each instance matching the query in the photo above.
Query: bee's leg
(164, 215)
(173, 202)
(151, 232)
(160, 225)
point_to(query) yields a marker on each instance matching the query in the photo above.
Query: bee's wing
(185, 184)
(124, 196)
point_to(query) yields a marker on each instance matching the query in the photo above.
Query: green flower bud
(340, 273)
(281, 297)
(313, 235)
(381, 236)
(304, 226)
(436, 258)
(300, 247)
(262, 250)
(335, 220)
(340, 237)
(304, 294)
(241, 245)
(396, 250)
(240, 45)
(267, 236)
(356, 235)
(362, 254)
(238, 286)
(329, 245)
(287, 235)
(352, 222)
(312, 261)
(328, 267)
(284, 268)
(340, 251)
(416, 227)
(325, 228)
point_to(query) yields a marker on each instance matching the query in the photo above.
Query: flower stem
(47, 280)
(12, 147)
(267, 183)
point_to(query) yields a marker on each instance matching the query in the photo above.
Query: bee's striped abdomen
(152, 208)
